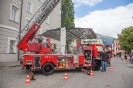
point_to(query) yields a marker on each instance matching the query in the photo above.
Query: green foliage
(126, 39)
(119, 54)
(55, 46)
(67, 14)
(67, 17)
(68, 42)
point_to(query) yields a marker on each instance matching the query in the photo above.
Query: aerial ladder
(26, 43)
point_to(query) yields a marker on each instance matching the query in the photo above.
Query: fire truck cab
(96, 50)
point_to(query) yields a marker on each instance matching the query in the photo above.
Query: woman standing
(126, 58)
(122, 58)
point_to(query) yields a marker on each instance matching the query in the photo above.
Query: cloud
(107, 22)
(90, 3)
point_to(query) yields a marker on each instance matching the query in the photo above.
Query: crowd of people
(125, 58)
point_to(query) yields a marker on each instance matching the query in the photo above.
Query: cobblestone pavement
(11, 64)
(122, 77)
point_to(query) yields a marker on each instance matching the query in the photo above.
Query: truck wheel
(96, 66)
(47, 69)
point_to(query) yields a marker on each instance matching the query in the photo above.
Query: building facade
(116, 47)
(14, 15)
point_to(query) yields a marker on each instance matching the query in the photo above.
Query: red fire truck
(41, 59)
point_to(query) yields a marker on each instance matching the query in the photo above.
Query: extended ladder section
(33, 26)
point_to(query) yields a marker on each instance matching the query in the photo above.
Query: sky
(106, 17)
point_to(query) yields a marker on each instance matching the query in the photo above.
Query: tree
(67, 14)
(67, 17)
(126, 39)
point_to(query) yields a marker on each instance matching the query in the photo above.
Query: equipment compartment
(64, 61)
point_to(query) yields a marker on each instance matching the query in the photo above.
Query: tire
(96, 66)
(47, 69)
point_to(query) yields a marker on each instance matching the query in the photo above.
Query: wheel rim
(48, 69)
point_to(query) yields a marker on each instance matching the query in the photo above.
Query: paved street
(122, 77)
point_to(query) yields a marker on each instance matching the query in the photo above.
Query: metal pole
(20, 26)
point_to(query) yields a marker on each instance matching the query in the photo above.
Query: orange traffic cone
(27, 79)
(65, 76)
(111, 69)
(91, 73)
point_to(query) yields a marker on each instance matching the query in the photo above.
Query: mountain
(106, 39)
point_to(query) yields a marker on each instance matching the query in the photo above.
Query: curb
(9, 66)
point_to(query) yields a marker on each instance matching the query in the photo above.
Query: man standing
(104, 55)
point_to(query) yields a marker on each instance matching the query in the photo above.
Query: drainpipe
(20, 26)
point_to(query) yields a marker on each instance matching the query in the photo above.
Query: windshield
(100, 48)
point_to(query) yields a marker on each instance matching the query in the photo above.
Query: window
(29, 6)
(117, 43)
(14, 13)
(47, 20)
(47, 29)
(27, 21)
(117, 48)
(11, 45)
(60, 12)
(40, 30)
(41, 1)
